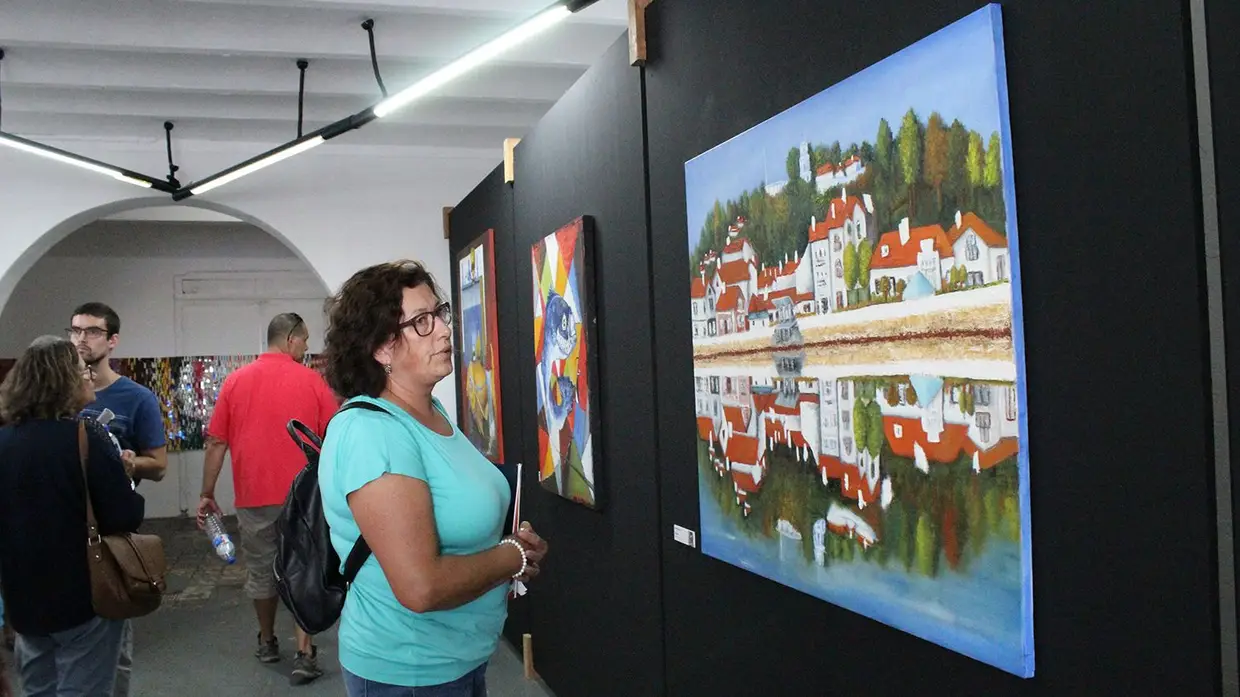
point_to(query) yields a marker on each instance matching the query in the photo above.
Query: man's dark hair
(361, 317)
(110, 319)
(283, 326)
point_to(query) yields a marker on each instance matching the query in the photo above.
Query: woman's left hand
(536, 551)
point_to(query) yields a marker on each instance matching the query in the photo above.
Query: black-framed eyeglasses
(424, 322)
(88, 332)
(88, 372)
(298, 323)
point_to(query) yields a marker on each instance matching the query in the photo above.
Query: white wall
(129, 268)
(133, 266)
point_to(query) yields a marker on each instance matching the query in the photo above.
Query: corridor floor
(201, 642)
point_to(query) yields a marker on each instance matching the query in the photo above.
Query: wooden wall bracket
(527, 656)
(637, 31)
(510, 146)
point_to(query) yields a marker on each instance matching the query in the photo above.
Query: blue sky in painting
(951, 72)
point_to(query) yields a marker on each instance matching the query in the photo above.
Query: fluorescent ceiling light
(54, 154)
(473, 59)
(256, 165)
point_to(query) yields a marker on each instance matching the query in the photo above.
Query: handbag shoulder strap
(92, 527)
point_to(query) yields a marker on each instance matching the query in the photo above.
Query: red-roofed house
(732, 313)
(830, 175)
(759, 312)
(903, 253)
(701, 311)
(849, 220)
(937, 430)
(980, 249)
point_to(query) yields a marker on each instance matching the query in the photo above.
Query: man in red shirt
(251, 413)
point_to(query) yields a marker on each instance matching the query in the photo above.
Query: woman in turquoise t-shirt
(426, 610)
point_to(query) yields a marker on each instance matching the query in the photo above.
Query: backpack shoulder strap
(361, 550)
(368, 406)
(357, 557)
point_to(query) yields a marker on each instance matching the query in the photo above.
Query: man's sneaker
(306, 668)
(269, 651)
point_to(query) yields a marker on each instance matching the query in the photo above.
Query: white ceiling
(224, 70)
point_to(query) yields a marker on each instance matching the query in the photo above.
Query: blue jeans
(78, 662)
(472, 684)
(124, 667)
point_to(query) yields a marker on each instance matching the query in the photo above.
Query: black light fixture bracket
(369, 26)
(302, 64)
(172, 167)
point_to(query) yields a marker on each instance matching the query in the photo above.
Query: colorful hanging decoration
(187, 388)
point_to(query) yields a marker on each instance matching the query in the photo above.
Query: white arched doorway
(184, 285)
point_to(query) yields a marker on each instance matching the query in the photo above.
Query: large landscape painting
(858, 353)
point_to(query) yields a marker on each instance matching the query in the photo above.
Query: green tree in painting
(994, 168)
(883, 173)
(817, 158)
(900, 286)
(927, 545)
(976, 159)
(874, 437)
(793, 164)
(865, 253)
(850, 267)
(957, 172)
(861, 426)
(834, 154)
(910, 143)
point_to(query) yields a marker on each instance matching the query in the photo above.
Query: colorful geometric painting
(478, 348)
(858, 348)
(564, 363)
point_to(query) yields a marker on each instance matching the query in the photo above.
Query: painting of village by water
(858, 352)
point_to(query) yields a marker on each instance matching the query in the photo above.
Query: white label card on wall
(684, 536)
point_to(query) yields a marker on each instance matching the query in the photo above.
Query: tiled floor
(202, 640)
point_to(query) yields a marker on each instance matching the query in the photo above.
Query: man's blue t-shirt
(380, 639)
(139, 421)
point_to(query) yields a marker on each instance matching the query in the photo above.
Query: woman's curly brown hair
(45, 383)
(361, 317)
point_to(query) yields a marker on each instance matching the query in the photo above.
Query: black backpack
(307, 568)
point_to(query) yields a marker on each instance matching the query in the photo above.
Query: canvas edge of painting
(995, 12)
(587, 230)
(491, 303)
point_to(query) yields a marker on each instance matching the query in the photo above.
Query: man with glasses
(254, 406)
(137, 424)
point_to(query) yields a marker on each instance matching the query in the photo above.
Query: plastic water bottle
(105, 417)
(220, 540)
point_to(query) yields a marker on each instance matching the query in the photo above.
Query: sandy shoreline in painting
(983, 332)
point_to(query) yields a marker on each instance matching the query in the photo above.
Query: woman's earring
(387, 368)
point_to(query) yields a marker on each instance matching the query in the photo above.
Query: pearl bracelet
(525, 560)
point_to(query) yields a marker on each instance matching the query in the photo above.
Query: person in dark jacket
(63, 647)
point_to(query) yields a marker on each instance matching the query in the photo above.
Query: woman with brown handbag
(63, 646)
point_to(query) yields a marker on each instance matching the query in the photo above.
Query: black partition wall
(1122, 500)
(594, 613)
(490, 207)
(1109, 202)
(1223, 22)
